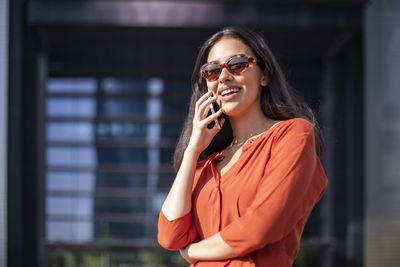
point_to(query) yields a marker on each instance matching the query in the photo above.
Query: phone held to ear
(213, 108)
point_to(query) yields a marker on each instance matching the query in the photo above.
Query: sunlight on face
(237, 93)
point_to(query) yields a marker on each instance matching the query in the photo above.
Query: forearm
(212, 248)
(178, 201)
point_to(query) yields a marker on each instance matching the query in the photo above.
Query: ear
(264, 80)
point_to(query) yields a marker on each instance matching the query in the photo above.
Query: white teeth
(229, 91)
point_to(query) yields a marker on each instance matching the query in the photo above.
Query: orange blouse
(260, 205)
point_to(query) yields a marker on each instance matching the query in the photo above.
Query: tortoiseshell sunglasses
(235, 65)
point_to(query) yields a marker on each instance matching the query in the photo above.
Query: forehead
(225, 48)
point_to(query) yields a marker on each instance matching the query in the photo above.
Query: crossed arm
(178, 203)
(212, 248)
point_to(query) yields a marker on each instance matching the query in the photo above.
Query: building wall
(382, 127)
(3, 127)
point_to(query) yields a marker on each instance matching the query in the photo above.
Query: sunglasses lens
(235, 65)
(210, 71)
(238, 64)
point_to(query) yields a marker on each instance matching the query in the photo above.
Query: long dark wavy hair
(278, 101)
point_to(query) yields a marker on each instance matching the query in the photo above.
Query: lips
(228, 93)
(230, 90)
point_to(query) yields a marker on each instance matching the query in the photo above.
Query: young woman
(248, 174)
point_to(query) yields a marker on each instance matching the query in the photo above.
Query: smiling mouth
(229, 91)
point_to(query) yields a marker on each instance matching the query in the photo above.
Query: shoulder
(296, 126)
(294, 134)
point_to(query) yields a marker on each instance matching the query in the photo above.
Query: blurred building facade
(98, 90)
(382, 134)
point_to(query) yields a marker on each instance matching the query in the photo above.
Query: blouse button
(251, 141)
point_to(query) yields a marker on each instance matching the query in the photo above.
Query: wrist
(192, 151)
(190, 251)
(185, 254)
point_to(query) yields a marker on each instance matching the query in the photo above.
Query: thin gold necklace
(235, 141)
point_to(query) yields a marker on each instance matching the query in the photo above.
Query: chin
(231, 112)
(228, 108)
(235, 109)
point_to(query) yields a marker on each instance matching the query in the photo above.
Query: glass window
(71, 156)
(67, 231)
(178, 88)
(122, 230)
(128, 205)
(117, 130)
(71, 107)
(175, 107)
(121, 180)
(122, 155)
(70, 181)
(106, 141)
(171, 130)
(114, 107)
(70, 206)
(123, 85)
(69, 131)
(71, 85)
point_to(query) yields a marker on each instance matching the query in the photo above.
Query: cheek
(213, 86)
(252, 80)
(253, 85)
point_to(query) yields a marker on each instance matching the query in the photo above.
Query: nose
(225, 75)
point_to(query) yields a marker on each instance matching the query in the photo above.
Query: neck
(252, 123)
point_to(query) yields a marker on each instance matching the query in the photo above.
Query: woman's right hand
(202, 136)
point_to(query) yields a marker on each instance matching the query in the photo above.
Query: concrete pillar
(382, 128)
(3, 128)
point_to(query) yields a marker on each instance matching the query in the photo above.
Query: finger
(203, 98)
(205, 106)
(208, 101)
(217, 127)
(212, 117)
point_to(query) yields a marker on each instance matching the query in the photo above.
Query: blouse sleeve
(176, 234)
(180, 232)
(292, 184)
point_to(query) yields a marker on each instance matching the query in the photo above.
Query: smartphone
(213, 108)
